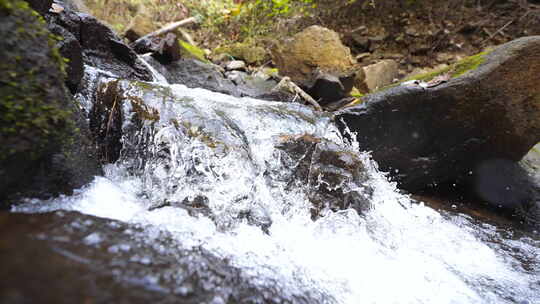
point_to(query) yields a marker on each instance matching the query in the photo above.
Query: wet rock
(380, 74)
(70, 49)
(164, 49)
(101, 48)
(41, 129)
(105, 119)
(95, 260)
(426, 136)
(196, 74)
(333, 178)
(508, 186)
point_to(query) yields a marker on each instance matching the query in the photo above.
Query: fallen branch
(286, 82)
(187, 37)
(168, 28)
(498, 31)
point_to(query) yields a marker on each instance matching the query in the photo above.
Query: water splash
(208, 151)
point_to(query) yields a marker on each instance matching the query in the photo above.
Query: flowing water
(205, 168)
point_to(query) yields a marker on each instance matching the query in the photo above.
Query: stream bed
(204, 204)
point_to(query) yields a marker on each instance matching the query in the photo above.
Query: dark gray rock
(331, 176)
(429, 136)
(101, 47)
(70, 49)
(197, 74)
(105, 261)
(328, 89)
(508, 186)
(44, 151)
(164, 49)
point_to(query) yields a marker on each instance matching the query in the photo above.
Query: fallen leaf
(438, 80)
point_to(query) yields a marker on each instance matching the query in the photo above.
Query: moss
(191, 51)
(33, 107)
(457, 69)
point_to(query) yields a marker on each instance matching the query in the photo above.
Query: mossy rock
(426, 136)
(247, 51)
(38, 120)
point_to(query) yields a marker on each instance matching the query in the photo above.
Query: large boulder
(96, 260)
(316, 60)
(44, 150)
(441, 131)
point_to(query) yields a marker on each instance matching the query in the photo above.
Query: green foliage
(258, 18)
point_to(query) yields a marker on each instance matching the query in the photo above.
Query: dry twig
(286, 82)
(168, 28)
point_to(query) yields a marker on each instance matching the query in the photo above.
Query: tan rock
(310, 52)
(247, 51)
(380, 74)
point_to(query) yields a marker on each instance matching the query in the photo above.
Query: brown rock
(315, 49)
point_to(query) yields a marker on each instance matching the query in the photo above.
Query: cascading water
(209, 170)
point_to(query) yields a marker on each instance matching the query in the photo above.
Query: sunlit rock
(316, 54)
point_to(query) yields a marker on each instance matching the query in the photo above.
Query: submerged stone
(335, 179)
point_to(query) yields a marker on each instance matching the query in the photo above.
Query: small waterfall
(211, 170)
(157, 77)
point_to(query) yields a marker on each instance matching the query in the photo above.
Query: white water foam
(399, 252)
